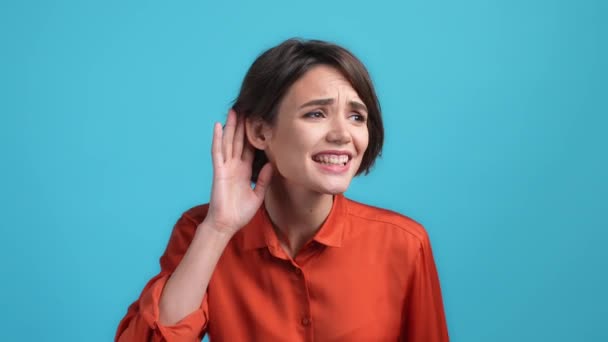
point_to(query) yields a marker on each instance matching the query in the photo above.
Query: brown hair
(275, 70)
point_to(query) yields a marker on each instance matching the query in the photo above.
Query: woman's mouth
(333, 163)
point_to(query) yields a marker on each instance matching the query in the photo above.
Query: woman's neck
(297, 214)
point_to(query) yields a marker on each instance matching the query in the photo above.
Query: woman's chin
(317, 184)
(333, 189)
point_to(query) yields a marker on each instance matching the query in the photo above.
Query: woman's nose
(338, 132)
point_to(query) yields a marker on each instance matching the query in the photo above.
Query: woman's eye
(315, 115)
(357, 117)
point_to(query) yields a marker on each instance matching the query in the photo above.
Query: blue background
(496, 116)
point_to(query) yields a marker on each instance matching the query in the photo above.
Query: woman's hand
(233, 202)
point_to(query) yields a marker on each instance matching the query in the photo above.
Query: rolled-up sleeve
(141, 323)
(424, 317)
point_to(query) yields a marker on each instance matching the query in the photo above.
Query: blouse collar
(259, 232)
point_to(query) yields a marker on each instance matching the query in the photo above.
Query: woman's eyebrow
(358, 106)
(324, 102)
(318, 102)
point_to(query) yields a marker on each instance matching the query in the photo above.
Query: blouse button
(297, 271)
(305, 321)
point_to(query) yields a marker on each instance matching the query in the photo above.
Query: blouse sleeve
(141, 323)
(424, 317)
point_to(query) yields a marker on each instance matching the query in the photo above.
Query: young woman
(292, 259)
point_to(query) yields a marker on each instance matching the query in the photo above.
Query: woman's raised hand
(233, 202)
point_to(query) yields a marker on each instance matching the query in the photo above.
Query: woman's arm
(233, 204)
(182, 288)
(142, 323)
(186, 287)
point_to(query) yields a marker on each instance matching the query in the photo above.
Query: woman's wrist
(215, 232)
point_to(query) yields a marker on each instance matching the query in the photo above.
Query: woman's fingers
(248, 153)
(263, 180)
(239, 137)
(229, 135)
(216, 145)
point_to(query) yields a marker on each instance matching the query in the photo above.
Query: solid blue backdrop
(496, 115)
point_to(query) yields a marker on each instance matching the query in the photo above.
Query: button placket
(305, 319)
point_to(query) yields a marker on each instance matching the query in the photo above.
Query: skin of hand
(233, 201)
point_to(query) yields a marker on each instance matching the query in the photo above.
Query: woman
(292, 259)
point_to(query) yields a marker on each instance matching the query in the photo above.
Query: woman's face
(320, 133)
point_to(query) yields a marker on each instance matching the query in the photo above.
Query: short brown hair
(275, 70)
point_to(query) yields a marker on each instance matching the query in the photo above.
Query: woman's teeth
(331, 159)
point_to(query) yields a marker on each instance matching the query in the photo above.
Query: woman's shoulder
(369, 215)
(196, 214)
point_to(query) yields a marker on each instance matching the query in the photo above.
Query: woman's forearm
(185, 289)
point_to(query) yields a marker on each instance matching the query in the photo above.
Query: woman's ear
(258, 133)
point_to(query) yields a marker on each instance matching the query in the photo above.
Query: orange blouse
(367, 275)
